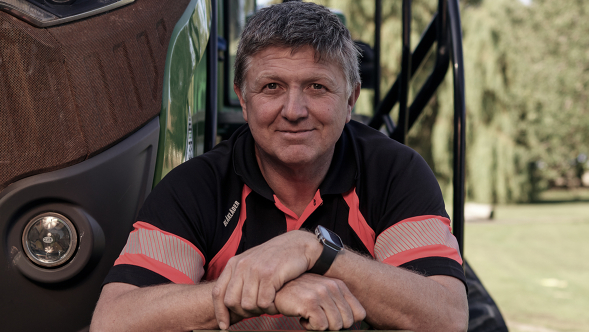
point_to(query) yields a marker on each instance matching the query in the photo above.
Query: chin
(296, 161)
(296, 158)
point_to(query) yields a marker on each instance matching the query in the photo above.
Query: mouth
(296, 131)
(295, 134)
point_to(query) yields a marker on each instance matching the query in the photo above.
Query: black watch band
(331, 247)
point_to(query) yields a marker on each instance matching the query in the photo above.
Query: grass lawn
(534, 260)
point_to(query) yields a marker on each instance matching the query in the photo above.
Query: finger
(233, 294)
(358, 311)
(221, 312)
(341, 302)
(317, 321)
(330, 308)
(249, 294)
(266, 299)
(267, 296)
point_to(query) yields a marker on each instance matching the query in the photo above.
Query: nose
(295, 106)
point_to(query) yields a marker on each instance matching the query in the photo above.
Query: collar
(340, 178)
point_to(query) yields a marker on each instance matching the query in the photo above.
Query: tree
(527, 76)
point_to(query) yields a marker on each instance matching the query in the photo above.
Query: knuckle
(339, 283)
(332, 285)
(348, 320)
(360, 314)
(240, 264)
(312, 304)
(248, 304)
(232, 261)
(231, 302)
(307, 298)
(322, 326)
(264, 303)
(216, 292)
(322, 291)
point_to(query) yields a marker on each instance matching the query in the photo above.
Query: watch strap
(324, 261)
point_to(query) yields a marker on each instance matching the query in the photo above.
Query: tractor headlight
(49, 239)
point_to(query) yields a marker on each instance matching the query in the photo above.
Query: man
(221, 238)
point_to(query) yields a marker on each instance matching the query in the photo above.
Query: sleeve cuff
(134, 275)
(431, 266)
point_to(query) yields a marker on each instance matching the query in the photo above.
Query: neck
(294, 185)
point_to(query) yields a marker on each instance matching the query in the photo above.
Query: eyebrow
(310, 79)
(263, 77)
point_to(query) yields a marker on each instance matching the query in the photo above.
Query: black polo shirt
(379, 196)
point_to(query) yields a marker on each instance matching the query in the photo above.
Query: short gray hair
(296, 25)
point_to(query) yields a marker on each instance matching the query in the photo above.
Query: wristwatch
(332, 244)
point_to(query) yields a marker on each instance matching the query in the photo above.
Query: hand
(321, 302)
(249, 283)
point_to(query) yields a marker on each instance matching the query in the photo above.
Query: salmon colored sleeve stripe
(417, 237)
(217, 264)
(437, 250)
(357, 221)
(143, 225)
(167, 249)
(151, 264)
(444, 220)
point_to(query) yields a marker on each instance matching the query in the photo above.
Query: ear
(241, 100)
(352, 101)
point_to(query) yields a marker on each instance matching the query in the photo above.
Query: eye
(317, 86)
(272, 86)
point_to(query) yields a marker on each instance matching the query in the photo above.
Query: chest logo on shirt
(231, 213)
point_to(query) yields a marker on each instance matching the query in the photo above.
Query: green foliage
(527, 74)
(497, 165)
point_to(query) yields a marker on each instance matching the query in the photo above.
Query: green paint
(184, 88)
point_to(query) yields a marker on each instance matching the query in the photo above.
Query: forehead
(284, 60)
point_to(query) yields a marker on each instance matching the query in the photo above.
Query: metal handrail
(388, 102)
(445, 29)
(210, 135)
(459, 121)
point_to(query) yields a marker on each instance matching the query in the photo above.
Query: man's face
(296, 107)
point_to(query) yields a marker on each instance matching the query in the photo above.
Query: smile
(295, 133)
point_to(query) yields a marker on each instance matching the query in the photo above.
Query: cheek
(333, 116)
(262, 114)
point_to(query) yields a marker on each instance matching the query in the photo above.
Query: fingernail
(222, 326)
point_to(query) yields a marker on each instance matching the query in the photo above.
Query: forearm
(399, 299)
(171, 307)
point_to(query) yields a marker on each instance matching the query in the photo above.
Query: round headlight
(49, 239)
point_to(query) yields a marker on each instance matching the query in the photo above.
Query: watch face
(330, 237)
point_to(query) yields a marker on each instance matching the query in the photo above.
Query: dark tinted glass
(332, 237)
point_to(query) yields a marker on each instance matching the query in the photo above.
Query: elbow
(97, 325)
(453, 319)
(99, 321)
(459, 322)
(455, 304)
(456, 321)
(458, 317)
(104, 317)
